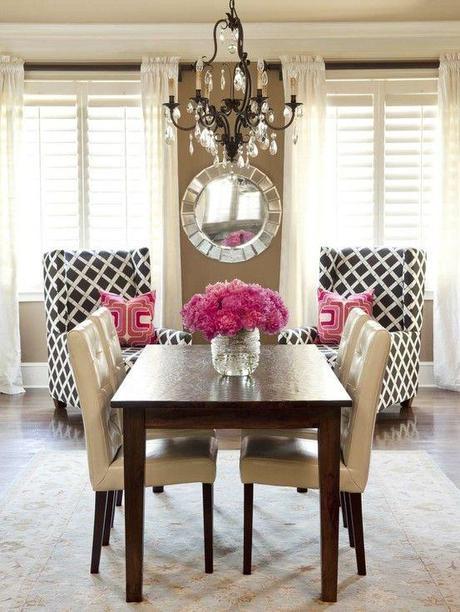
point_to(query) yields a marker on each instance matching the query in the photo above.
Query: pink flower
(237, 238)
(230, 307)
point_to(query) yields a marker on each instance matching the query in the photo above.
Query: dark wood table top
(184, 376)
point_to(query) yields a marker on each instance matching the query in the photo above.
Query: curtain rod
(276, 66)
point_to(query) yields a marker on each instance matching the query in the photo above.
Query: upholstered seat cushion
(286, 462)
(169, 461)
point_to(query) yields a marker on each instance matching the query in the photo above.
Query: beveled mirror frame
(245, 251)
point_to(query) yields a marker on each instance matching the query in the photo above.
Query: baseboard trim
(35, 375)
(426, 376)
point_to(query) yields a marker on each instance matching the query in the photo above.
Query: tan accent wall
(198, 270)
(33, 331)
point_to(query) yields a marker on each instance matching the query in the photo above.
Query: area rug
(412, 519)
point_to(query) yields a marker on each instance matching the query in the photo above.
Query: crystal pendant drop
(221, 35)
(208, 81)
(254, 108)
(176, 114)
(224, 159)
(287, 112)
(247, 161)
(252, 149)
(190, 145)
(299, 111)
(295, 134)
(222, 79)
(215, 161)
(264, 143)
(271, 116)
(197, 131)
(264, 107)
(240, 161)
(273, 145)
(232, 48)
(169, 134)
(190, 108)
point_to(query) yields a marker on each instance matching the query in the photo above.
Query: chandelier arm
(293, 106)
(214, 36)
(179, 127)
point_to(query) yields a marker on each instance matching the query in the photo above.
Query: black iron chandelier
(253, 124)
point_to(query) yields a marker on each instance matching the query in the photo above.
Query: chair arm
(172, 336)
(298, 335)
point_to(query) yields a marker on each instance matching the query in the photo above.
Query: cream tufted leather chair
(168, 461)
(293, 462)
(103, 320)
(352, 328)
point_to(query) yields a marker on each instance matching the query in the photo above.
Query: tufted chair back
(363, 385)
(353, 325)
(103, 320)
(92, 377)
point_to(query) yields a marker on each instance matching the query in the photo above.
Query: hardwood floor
(30, 424)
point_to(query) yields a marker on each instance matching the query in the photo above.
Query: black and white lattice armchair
(73, 281)
(398, 279)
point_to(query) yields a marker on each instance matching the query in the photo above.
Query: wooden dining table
(177, 387)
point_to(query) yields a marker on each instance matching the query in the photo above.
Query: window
(381, 146)
(84, 177)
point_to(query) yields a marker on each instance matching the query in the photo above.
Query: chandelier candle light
(253, 125)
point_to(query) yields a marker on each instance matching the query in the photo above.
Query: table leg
(329, 466)
(134, 466)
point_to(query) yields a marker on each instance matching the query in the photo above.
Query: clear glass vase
(236, 355)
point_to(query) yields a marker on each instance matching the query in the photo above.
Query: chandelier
(234, 130)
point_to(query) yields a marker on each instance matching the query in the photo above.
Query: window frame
(81, 85)
(355, 84)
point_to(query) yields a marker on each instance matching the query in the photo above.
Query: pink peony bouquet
(230, 307)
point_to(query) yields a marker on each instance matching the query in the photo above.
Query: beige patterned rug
(412, 528)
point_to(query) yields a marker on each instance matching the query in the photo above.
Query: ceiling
(183, 11)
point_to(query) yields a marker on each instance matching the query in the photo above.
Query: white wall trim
(35, 375)
(128, 42)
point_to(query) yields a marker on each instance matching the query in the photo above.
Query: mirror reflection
(231, 211)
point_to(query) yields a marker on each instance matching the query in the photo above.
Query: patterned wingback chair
(73, 281)
(398, 279)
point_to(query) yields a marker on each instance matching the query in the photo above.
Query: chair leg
(351, 535)
(300, 490)
(358, 531)
(108, 518)
(119, 497)
(158, 489)
(99, 514)
(59, 405)
(406, 405)
(248, 514)
(112, 520)
(343, 505)
(208, 506)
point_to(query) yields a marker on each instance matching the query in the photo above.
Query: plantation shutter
(350, 148)
(116, 192)
(83, 183)
(409, 170)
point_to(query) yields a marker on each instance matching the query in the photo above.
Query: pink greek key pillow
(133, 318)
(333, 311)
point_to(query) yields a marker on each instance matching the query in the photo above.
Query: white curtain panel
(304, 212)
(446, 324)
(11, 102)
(163, 190)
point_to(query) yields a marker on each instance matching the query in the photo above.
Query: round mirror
(231, 214)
